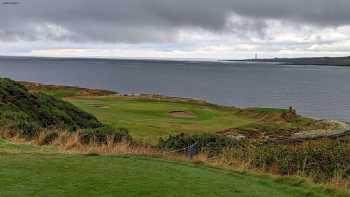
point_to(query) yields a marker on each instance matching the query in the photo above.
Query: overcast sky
(217, 29)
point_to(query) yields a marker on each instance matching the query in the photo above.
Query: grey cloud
(135, 21)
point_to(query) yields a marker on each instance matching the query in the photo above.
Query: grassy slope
(64, 91)
(21, 109)
(41, 173)
(148, 120)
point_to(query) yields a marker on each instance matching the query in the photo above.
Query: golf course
(70, 141)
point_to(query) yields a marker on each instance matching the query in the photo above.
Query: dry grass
(69, 143)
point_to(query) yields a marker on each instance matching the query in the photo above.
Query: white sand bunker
(181, 114)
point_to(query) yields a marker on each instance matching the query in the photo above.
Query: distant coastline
(146, 59)
(321, 61)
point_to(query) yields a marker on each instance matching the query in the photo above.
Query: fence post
(192, 150)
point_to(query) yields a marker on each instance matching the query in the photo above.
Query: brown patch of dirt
(181, 114)
(264, 116)
(100, 106)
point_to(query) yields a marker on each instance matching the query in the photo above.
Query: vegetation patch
(64, 91)
(26, 112)
(103, 135)
(323, 160)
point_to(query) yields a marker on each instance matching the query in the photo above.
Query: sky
(214, 29)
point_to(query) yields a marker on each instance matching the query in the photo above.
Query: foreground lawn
(44, 173)
(149, 119)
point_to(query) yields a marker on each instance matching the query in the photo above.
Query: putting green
(148, 120)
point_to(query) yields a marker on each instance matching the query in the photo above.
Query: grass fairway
(148, 120)
(33, 171)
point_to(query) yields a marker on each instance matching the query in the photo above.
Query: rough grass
(260, 109)
(64, 91)
(37, 174)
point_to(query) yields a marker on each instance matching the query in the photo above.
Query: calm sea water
(317, 91)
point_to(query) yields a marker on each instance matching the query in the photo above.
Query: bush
(49, 138)
(24, 111)
(100, 135)
(322, 159)
(208, 143)
(25, 128)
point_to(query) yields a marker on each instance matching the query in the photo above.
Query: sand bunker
(182, 114)
(100, 106)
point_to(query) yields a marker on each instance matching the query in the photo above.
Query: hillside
(64, 91)
(25, 111)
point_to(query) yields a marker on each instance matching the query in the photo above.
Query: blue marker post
(192, 150)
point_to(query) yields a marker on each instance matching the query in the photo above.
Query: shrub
(24, 111)
(208, 143)
(25, 128)
(322, 159)
(49, 138)
(102, 134)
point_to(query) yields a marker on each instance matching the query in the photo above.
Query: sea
(315, 91)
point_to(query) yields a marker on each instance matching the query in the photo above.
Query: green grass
(261, 109)
(7, 148)
(149, 119)
(60, 91)
(33, 174)
(63, 92)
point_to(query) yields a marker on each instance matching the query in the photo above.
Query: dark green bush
(24, 111)
(209, 143)
(49, 138)
(322, 159)
(25, 128)
(101, 135)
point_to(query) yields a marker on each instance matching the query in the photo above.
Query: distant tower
(256, 56)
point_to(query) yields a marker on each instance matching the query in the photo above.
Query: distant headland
(325, 61)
